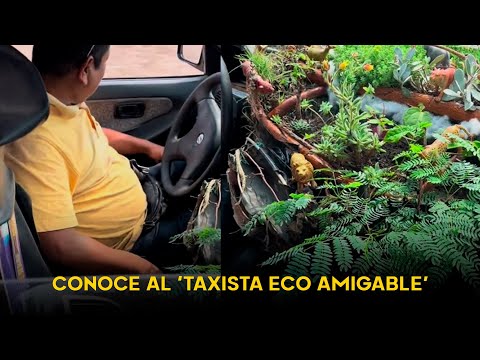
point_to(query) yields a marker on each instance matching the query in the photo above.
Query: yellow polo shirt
(76, 180)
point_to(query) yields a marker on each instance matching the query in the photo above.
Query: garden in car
(362, 160)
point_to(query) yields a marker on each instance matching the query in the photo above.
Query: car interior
(187, 115)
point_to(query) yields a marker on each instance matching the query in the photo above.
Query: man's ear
(84, 69)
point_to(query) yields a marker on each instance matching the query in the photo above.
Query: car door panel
(153, 104)
(128, 114)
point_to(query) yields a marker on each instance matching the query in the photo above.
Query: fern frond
(395, 189)
(279, 212)
(465, 144)
(424, 173)
(412, 164)
(394, 238)
(431, 197)
(348, 197)
(299, 264)
(208, 236)
(358, 244)
(461, 173)
(282, 256)
(355, 227)
(340, 224)
(437, 275)
(358, 206)
(334, 208)
(470, 268)
(343, 253)
(322, 259)
(195, 269)
(374, 213)
(364, 264)
(303, 197)
(439, 207)
(474, 196)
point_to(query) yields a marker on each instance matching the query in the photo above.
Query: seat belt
(10, 253)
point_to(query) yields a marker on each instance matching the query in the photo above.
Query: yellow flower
(343, 65)
(325, 65)
(368, 67)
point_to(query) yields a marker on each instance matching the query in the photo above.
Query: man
(88, 204)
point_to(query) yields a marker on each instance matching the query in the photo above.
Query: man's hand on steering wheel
(155, 152)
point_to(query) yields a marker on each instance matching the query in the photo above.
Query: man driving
(88, 204)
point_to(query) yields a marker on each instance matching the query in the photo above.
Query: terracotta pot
(453, 110)
(284, 135)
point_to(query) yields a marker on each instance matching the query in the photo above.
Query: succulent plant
(465, 85)
(301, 126)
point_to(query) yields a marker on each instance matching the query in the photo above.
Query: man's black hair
(59, 60)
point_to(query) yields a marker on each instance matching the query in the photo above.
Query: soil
(385, 159)
(316, 122)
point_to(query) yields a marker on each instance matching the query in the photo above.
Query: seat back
(23, 106)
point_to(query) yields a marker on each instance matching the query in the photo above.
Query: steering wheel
(200, 147)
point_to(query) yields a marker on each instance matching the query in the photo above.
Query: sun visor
(23, 98)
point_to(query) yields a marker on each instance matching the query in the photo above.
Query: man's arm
(54, 212)
(79, 252)
(127, 144)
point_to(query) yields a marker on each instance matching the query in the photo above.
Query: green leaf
(398, 54)
(416, 148)
(424, 125)
(417, 67)
(475, 93)
(439, 206)
(352, 185)
(343, 253)
(305, 104)
(437, 60)
(406, 75)
(371, 109)
(410, 54)
(357, 243)
(369, 89)
(452, 93)
(415, 116)
(459, 80)
(471, 65)
(394, 135)
(469, 105)
(434, 179)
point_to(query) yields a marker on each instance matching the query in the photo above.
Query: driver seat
(23, 106)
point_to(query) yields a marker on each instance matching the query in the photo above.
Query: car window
(143, 61)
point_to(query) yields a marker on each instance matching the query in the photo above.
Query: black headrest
(23, 98)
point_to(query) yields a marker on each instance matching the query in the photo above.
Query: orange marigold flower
(368, 67)
(343, 65)
(325, 65)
